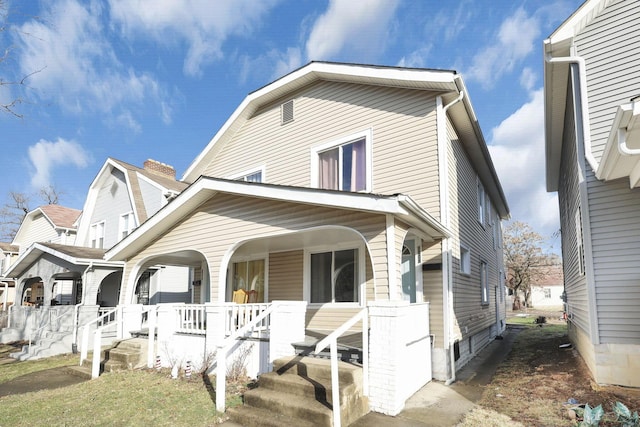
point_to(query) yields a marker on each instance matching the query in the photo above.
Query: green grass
(128, 398)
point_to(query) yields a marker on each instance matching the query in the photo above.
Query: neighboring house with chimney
(592, 124)
(63, 266)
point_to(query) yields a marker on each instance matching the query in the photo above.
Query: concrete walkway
(438, 405)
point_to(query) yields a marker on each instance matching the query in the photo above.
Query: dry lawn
(532, 387)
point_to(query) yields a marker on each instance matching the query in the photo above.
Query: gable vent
(286, 112)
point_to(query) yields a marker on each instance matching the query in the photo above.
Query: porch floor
(349, 345)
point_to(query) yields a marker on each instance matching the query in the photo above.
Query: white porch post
(131, 320)
(287, 327)
(214, 339)
(385, 357)
(166, 327)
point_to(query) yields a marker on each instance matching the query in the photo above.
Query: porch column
(287, 327)
(216, 326)
(165, 329)
(386, 345)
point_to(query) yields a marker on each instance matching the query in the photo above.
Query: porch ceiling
(298, 240)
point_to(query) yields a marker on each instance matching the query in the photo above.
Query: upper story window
(254, 175)
(96, 235)
(344, 164)
(482, 204)
(127, 224)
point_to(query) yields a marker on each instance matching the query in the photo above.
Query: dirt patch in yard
(539, 378)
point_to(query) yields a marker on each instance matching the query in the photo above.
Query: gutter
(447, 276)
(584, 113)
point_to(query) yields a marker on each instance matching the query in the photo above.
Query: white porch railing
(192, 319)
(331, 341)
(259, 323)
(100, 322)
(240, 315)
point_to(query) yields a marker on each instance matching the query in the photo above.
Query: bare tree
(50, 195)
(9, 104)
(524, 258)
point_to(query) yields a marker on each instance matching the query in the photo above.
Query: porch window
(249, 275)
(96, 234)
(334, 276)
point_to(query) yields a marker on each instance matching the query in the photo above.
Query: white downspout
(447, 273)
(584, 202)
(584, 112)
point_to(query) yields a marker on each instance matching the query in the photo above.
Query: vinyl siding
(432, 290)
(248, 218)
(569, 199)
(112, 201)
(286, 275)
(470, 315)
(151, 195)
(402, 123)
(39, 230)
(611, 48)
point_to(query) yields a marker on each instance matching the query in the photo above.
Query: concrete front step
(299, 391)
(127, 354)
(51, 344)
(83, 372)
(256, 417)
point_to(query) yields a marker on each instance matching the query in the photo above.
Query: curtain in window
(328, 178)
(354, 166)
(249, 275)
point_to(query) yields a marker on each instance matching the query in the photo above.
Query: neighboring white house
(592, 123)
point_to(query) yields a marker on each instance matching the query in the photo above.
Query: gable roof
(60, 218)
(556, 79)
(73, 254)
(133, 175)
(446, 82)
(205, 188)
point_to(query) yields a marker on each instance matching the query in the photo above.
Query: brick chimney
(159, 168)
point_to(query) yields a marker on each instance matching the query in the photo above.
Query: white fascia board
(205, 188)
(582, 17)
(424, 218)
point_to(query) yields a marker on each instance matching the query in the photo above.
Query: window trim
(485, 291)
(93, 228)
(244, 174)
(306, 292)
(482, 203)
(368, 143)
(132, 221)
(465, 262)
(254, 257)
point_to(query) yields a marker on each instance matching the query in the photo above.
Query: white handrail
(331, 341)
(84, 350)
(223, 349)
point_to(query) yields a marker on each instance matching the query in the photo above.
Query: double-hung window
(256, 175)
(482, 204)
(96, 235)
(334, 276)
(343, 165)
(127, 224)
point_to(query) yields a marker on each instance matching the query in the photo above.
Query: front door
(408, 271)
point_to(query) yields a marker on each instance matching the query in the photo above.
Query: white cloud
(517, 150)
(416, 59)
(514, 41)
(279, 62)
(79, 67)
(46, 155)
(357, 27)
(528, 78)
(203, 25)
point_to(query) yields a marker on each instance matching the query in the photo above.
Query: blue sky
(157, 78)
